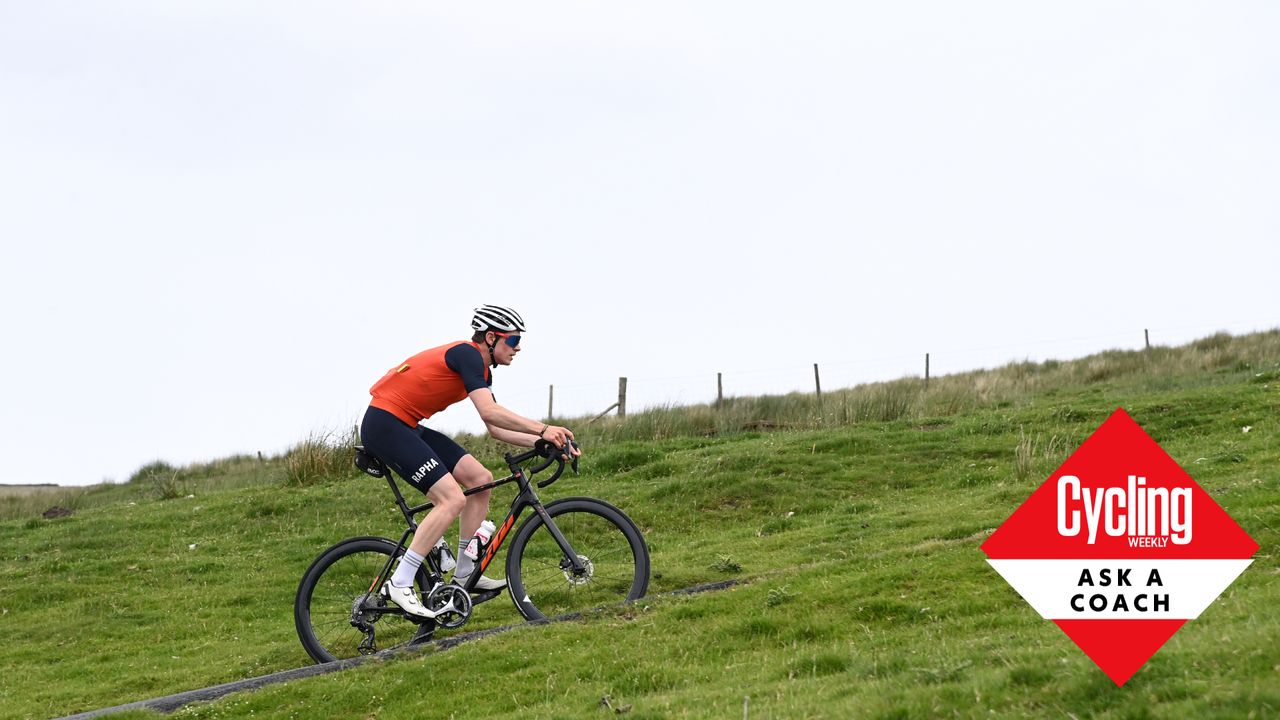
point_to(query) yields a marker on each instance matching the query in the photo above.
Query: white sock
(407, 570)
(465, 564)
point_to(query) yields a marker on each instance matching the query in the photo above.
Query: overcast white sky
(223, 221)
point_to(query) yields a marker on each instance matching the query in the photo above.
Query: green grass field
(853, 525)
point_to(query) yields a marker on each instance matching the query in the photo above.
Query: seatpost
(404, 508)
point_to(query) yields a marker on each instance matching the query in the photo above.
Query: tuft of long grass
(148, 473)
(1035, 455)
(320, 457)
(167, 486)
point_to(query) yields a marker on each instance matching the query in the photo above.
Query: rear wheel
(613, 559)
(339, 611)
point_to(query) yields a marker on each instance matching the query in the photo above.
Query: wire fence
(637, 393)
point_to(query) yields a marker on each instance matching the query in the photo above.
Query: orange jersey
(429, 382)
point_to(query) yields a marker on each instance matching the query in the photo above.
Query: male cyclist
(415, 390)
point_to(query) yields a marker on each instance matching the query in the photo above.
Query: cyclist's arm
(510, 436)
(497, 417)
(468, 363)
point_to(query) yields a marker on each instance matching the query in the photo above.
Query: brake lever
(571, 447)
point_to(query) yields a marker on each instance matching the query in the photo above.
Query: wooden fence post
(926, 371)
(606, 411)
(551, 398)
(1146, 335)
(622, 397)
(719, 390)
(817, 381)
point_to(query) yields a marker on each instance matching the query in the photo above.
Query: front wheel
(613, 560)
(339, 611)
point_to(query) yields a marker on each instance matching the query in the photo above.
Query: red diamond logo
(1119, 547)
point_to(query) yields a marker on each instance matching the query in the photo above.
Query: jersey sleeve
(467, 362)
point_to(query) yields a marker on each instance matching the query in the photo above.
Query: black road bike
(570, 555)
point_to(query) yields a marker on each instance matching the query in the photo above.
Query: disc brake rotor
(587, 571)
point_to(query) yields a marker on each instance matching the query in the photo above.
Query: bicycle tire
(618, 557)
(323, 606)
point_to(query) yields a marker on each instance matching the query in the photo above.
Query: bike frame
(526, 498)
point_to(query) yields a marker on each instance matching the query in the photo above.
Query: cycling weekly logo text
(1119, 548)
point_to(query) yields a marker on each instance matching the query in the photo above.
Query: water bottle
(444, 557)
(480, 541)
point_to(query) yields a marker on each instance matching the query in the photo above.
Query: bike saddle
(370, 463)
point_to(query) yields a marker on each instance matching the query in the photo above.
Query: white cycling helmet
(493, 317)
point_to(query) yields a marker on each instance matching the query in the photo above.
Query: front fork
(529, 498)
(571, 562)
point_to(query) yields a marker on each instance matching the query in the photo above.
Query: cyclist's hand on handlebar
(558, 436)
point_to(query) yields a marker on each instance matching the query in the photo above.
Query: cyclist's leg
(468, 472)
(403, 449)
(471, 473)
(449, 502)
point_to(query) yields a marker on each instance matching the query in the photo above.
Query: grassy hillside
(854, 526)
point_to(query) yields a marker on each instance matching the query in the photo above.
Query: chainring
(452, 602)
